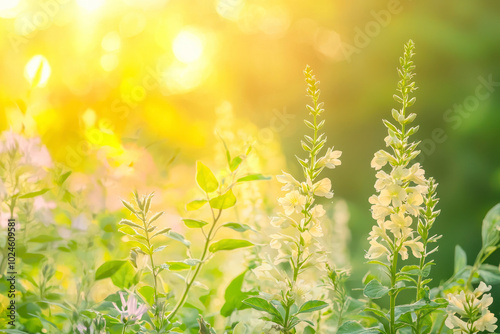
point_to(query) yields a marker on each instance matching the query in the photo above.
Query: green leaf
(45, 238)
(155, 217)
(107, 269)
(253, 177)
(159, 249)
(460, 259)
(374, 290)
(31, 258)
(490, 233)
(309, 330)
(162, 231)
(224, 201)
(130, 223)
(34, 193)
(261, 304)
(124, 277)
(235, 163)
(148, 293)
(311, 306)
(238, 227)
(205, 178)
(194, 223)
(233, 296)
(128, 206)
(419, 305)
(489, 274)
(353, 327)
(196, 204)
(179, 265)
(229, 244)
(178, 237)
(63, 178)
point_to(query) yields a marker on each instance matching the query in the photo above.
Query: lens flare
(187, 46)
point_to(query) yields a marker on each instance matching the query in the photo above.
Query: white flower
(392, 194)
(316, 231)
(383, 180)
(293, 201)
(413, 201)
(416, 174)
(330, 159)
(317, 211)
(129, 311)
(376, 250)
(288, 180)
(400, 225)
(465, 303)
(278, 221)
(380, 159)
(323, 187)
(275, 244)
(379, 211)
(262, 271)
(416, 248)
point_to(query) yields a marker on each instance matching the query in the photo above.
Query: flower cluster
(299, 208)
(468, 311)
(401, 192)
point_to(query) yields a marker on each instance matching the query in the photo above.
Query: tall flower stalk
(401, 200)
(298, 246)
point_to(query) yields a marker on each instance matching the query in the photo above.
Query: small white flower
(289, 181)
(316, 231)
(330, 159)
(317, 211)
(293, 201)
(392, 194)
(278, 221)
(262, 271)
(376, 250)
(323, 187)
(381, 158)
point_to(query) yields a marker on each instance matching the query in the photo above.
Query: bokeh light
(37, 71)
(187, 46)
(90, 5)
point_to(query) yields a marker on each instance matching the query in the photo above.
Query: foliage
(89, 262)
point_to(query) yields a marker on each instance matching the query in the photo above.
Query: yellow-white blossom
(468, 311)
(293, 202)
(323, 187)
(288, 180)
(330, 159)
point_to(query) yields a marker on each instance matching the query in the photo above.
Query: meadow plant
(298, 245)
(290, 277)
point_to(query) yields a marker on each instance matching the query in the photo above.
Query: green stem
(392, 329)
(153, 271)
(190, 282)
(124, 328)
(475, 267)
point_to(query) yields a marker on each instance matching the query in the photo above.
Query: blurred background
(155, 74)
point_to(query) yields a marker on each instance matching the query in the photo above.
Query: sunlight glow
(8, 4)
(187, 46)
(37, 71)
(7, 8)
(90, 5)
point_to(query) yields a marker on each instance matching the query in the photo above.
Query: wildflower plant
(218, 197)
(468, 309)
(298, 245)
(405, 198)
